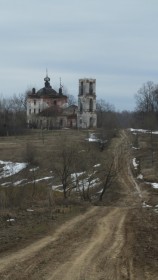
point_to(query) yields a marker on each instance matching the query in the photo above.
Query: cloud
(114, 42)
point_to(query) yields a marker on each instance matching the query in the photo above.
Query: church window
(55, 102)
(81, 107)
(34, 111)
(91, 122)
(34, 102)
(81, 88)
(61, 122)
(90, 88)
(30, 111)
(91, 105)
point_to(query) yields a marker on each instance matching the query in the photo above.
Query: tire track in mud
(99, 257)
(23, 254)
(88, 247)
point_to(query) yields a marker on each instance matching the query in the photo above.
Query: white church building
(48, 109)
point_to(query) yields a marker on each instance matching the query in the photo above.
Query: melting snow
(57, 188)
(144, 205)
(41, 179)
(100, 191)
(11, 220)
(34, 169)
(45, 178)
(97, 165)
(75, 176)
(140, 176)
(142, 130)
(6, 184)
(93, 138)
(10, 168)
(135, 164)
(138, 130)
(19, 182)
(154, 185)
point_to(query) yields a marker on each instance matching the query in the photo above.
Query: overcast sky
(113, 41)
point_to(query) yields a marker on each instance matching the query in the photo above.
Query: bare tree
(107, 174)
(147, 98)
(63, 164)
(147, 109)
(71, 100)
(106, 115)
(13, 114)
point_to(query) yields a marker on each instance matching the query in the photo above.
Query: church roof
(47, 91)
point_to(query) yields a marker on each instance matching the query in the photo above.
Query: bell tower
(86, 115)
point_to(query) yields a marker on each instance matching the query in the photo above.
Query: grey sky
(113, 41)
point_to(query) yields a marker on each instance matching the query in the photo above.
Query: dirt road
(95, 245)
(88, 247)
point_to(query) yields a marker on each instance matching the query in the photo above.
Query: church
(48, 109)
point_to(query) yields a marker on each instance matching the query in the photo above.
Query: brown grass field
(56, 238)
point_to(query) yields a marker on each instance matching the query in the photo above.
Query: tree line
(13, 115)
(13, 112)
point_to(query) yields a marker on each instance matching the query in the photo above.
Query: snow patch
(154, 185)
(144, 205)
(45, 178)
(19, 182)
(57, 188)
(142, 131)
(140, 176)
(135, 164)
(74, 176)
(10, 168)
(138, 130)
(6, 184)
(97, 165)
(100, 191)
(11, 220)
(93, 138)
(34, 169)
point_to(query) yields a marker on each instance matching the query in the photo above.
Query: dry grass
(147, 155)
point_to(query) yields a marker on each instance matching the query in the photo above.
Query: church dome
(47, 89)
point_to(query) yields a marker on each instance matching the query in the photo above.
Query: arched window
(91, 88)
(61, 122)
(91, 122)
(81, 89)
(81, 107)
(91, 105)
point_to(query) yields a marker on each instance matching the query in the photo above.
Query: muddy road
(95, 245)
